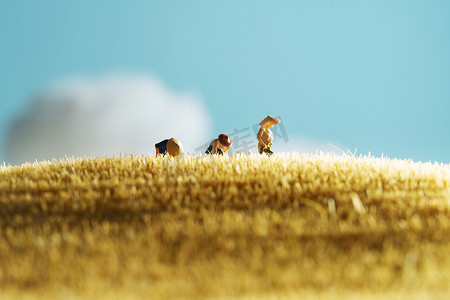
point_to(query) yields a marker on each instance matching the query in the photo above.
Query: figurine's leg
(209, 150)
(260, 148)
(268, 151)
(161, 151)
(219, 151)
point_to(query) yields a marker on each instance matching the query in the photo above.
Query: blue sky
(372, 75)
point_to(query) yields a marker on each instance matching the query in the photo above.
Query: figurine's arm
(214, 149)
(225, 151)
(258, 136)
(261, 141)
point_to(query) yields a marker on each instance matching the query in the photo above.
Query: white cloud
(106, 116)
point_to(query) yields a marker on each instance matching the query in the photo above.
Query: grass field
(246, 227)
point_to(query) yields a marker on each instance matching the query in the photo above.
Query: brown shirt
(266, 136)
(218, 145)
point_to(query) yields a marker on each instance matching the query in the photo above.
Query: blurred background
(87, 78)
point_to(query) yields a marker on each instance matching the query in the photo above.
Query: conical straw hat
(225, 140)
(174, 147)
(270, 120)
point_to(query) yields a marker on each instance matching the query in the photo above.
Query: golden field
(245, 227)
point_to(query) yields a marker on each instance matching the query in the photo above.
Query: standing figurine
(265, 136)
(220, 145)
(171, 146)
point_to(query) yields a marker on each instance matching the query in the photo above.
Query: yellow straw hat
(270, 120)
(174, 147)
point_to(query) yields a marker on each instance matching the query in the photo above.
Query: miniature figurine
(220, 145)
(171, 146)
(265, 136)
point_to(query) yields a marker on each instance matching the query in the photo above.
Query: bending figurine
(265, 136)
(171, 146)
(220, 145)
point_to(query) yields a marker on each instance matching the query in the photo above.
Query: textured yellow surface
(242, 227)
